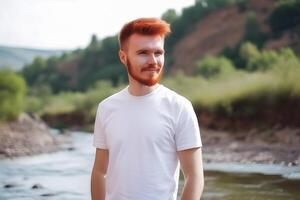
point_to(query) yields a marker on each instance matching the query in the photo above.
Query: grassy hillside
(268, 94)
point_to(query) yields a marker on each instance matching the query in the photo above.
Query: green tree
(285, 16)
(94, 41)
(31, 72)
(211, 67)
(170, 16)
(12, 92)
(253, 31)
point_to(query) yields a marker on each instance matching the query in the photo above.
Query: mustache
(155, 67)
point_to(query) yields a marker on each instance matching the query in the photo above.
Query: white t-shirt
(143, 135)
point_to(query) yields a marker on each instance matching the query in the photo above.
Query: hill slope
(225, 28)
(16, 57)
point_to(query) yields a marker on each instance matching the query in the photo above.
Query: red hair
(143, 26)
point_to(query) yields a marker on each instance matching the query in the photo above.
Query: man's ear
(122, 56)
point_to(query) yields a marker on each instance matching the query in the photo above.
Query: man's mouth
(151, 69)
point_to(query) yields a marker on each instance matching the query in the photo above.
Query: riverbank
(26, 136)
(277, 145)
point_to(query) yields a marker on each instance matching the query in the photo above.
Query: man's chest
(139, 126)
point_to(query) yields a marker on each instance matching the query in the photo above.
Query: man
(144, 131)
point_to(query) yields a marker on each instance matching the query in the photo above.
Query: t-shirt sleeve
(187, 134)
(99, 134)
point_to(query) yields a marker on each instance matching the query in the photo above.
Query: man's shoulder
(175, 97)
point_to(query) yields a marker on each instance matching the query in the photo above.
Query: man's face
(144, 58)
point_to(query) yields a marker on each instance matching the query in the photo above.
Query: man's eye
(143, 53)
(158, 53)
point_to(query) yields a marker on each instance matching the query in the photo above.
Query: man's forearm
(97, 186)
(193, 188)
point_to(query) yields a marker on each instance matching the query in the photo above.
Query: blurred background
(236, 60)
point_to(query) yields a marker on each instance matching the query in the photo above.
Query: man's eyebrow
(147, 50)
(160, 50)
(142, 50)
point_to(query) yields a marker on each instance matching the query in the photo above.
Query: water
(66, 175)
(226, 186)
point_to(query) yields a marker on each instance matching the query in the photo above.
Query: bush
(212, 67)
(73, 102)
(266, 59)
(248, 53)
(12, 91)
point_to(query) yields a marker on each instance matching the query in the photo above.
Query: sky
(69, 24)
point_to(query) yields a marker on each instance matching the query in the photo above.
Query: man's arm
(98, 175)
(192, 168)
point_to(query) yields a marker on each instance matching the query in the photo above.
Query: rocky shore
(28, 135)
(278, 145)
(272, 146)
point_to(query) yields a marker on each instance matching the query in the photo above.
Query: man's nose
(152, 59)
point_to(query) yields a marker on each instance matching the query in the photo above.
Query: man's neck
(138, 89)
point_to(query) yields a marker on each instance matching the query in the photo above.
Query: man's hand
(192, 168)
(98, 175)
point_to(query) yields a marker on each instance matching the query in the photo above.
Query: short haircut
(143, 26)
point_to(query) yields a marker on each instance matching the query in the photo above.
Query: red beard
(145, 81)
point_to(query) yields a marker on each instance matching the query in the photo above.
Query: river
(65, 175)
